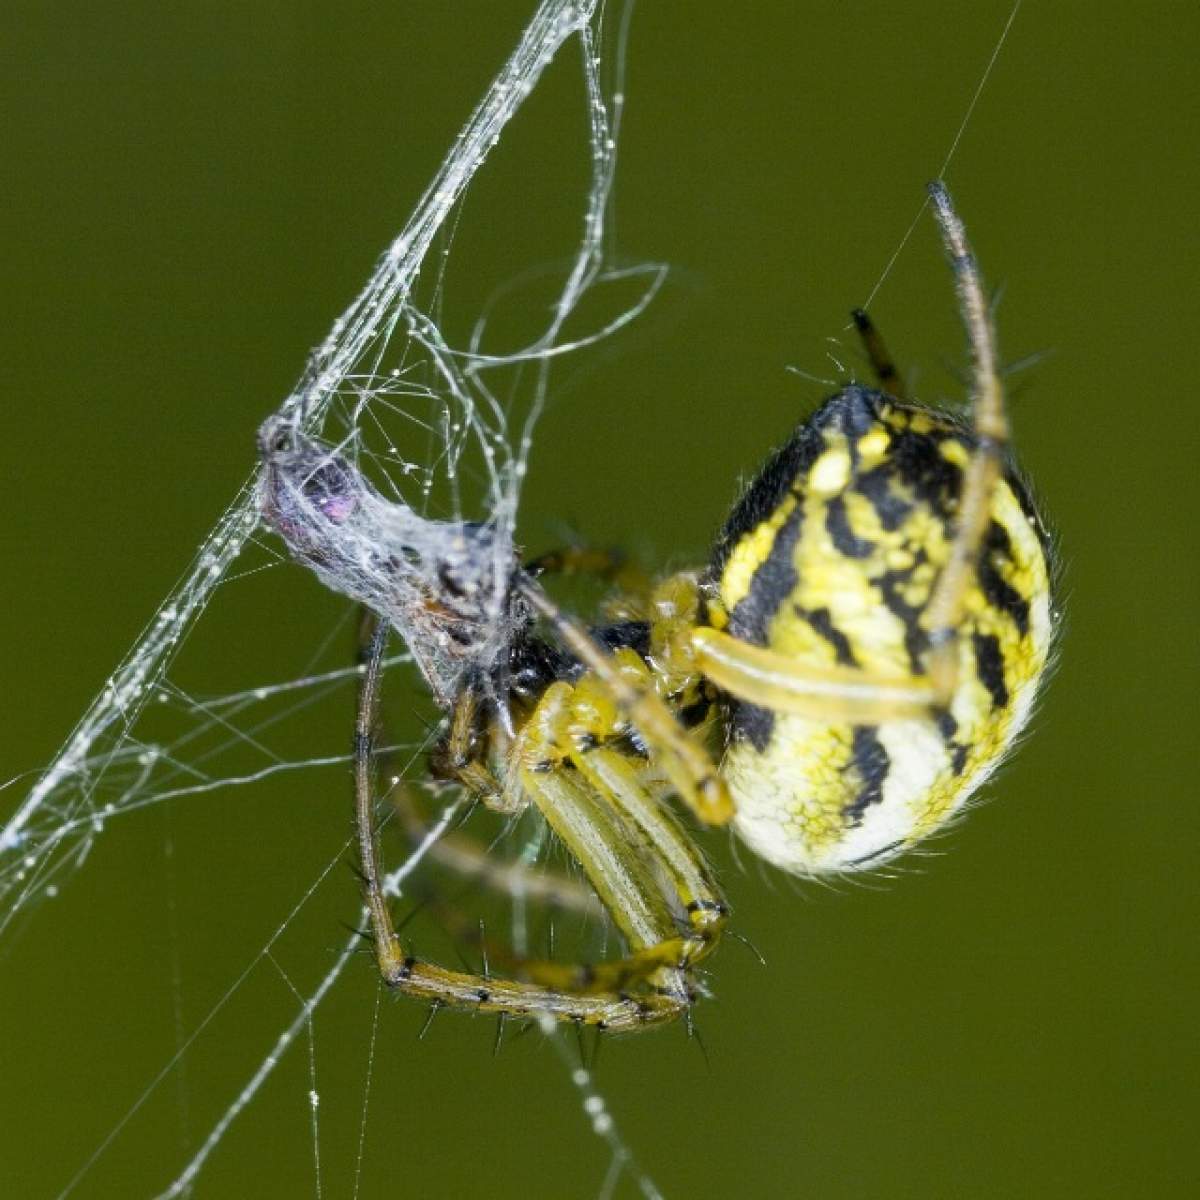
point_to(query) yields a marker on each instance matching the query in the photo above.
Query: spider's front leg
(772, 680)
(589, 826)
(631, 848)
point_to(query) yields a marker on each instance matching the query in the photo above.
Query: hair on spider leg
(1026, 362)
(526, 1027)
(366, 935)
(418, 906)
(463, 961)
(741, 937)
(355, 869)
(420, 903)
(434, 1008)
(431, 726)
(597, 1042)
(468, 809)
(587, 1059)
(809, 377)
(580, 1042)
(694, 1037)
(1005, 371)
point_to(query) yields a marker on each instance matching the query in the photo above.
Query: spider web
(444, 427)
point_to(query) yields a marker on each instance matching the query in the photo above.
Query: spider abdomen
(829, 561)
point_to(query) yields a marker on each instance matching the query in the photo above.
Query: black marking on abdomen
(892, 510)
(768, 490)
(770, 585)
(989, 662)
(916, 638)
(947, 726)
(753, 723)
(918, 461)
(628, 743)
(958, 757)
(1025, 500)
(870, 761)
(998, 591)
(822, 623)
(845, 540)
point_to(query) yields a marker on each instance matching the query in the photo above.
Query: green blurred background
(194, 191)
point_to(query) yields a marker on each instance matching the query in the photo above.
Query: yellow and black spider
(864, 645)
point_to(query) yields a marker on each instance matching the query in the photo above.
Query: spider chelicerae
(859, 653)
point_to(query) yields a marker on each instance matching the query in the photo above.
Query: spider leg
(615, 777)
(459, 759)
(460, 756)
(584, 726)
(881, 361)
(986, 465)
(776, 681)
(625, 840)
(617, 863)
(570, 726)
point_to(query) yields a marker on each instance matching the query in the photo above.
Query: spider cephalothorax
(857, 657)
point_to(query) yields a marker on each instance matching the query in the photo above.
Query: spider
(862, 648)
